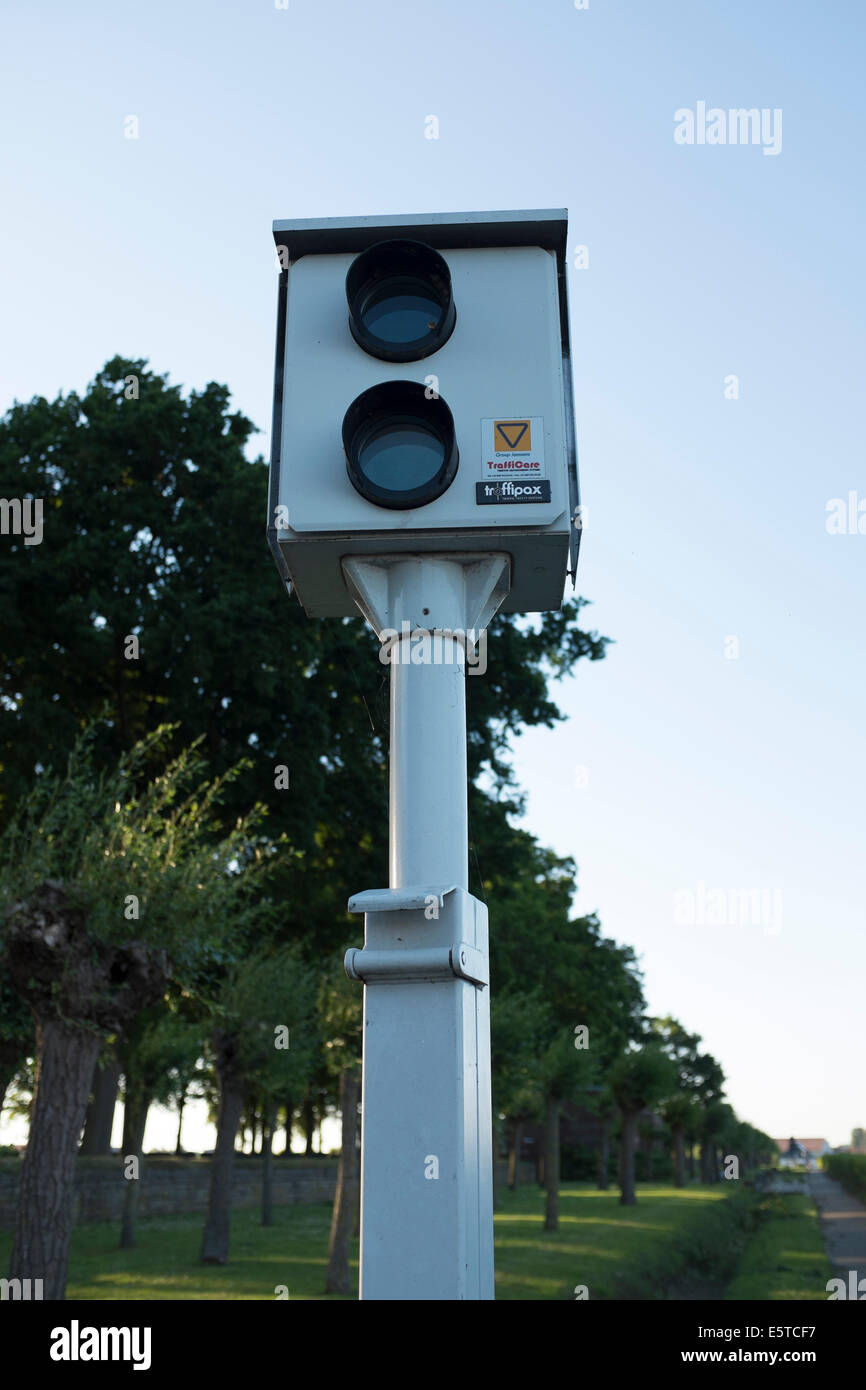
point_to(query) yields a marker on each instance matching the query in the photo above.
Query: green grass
(164, 1264)
(597, 1238)
(645, 1251)
(785, 1258)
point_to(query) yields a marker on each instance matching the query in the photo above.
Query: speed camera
(423, 400)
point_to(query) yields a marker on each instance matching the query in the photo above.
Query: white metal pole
(426, 1152)
(429, 827)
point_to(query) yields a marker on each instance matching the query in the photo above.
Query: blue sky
(707, 515)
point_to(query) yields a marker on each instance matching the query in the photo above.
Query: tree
(679, 1110)
(638, 1079)
(567, 1073)
(519, 1021)
(99, 1120)
(151, 503)
(266, 1000)
(152, 1046)
(709, 1089)
(341, 1012)
(88, 954)
(604, 1105)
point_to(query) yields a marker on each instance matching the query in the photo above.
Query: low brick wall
(174, 1185)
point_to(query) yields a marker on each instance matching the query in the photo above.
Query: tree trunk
(705, 1161)
(269, 1115)
(604, 1156)
(626, 1160)
(308, 1124)
(514, 1155)
(134, 1121)
(66, 1056)
(691, 1162)
(337, 1280)
(679, 1158)
(99, 1121)
(551, 1165)
(178, 1146)
(289, 1112)
(215, 1241)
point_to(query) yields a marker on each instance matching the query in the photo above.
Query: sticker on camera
(513, 447)
(508, 490)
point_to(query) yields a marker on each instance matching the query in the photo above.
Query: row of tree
(194, 780)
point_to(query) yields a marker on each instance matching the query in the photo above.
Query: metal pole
(429, 825)
(426, 1160)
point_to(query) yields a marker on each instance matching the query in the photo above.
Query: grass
(785, 1258)
(645, 1251)
(597, 1238)
(164, 1264)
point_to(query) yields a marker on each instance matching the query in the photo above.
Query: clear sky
(720, 747)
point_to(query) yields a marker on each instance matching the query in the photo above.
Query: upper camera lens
(400, 303)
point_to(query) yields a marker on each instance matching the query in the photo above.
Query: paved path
(843, 1225)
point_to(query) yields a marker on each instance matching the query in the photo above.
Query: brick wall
(172, 1185)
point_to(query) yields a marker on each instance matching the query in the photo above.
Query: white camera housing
(504, 372)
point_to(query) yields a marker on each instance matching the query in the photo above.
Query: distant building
(802, 1151)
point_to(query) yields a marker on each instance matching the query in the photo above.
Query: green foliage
(162, 1045)
(519, 1024)
(641, 1078)
(849, 1170)
(340, 1018)
(154, 509)
(113, 835)
(269, 999)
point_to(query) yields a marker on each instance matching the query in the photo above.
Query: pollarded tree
(154, 1044)
(519, 1023)
(340, 1021)
(680, 1108)
(678, 1111)
(638, 1079)
(568, 1072)
(604, 1106)
(263, 1041)
(110, 885)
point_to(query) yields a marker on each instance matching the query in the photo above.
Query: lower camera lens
(400, 447)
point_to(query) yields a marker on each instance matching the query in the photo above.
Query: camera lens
(400, 303)
(400, 447)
